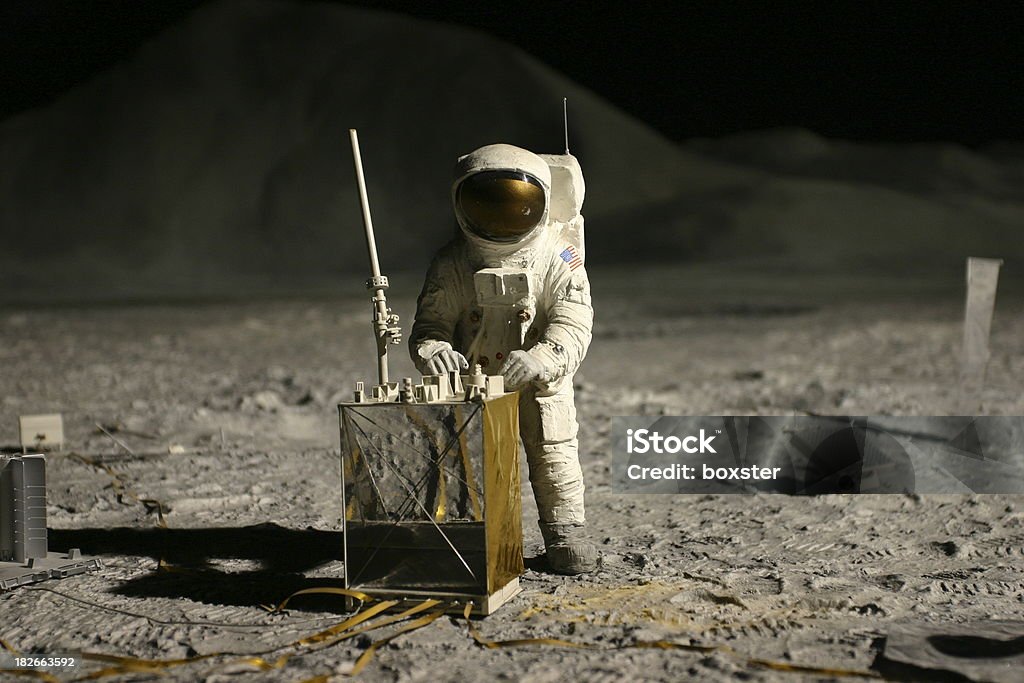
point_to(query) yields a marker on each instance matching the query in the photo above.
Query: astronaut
(509, 292)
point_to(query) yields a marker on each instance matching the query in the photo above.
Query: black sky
(865, 71)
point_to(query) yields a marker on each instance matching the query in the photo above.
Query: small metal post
(982, 279)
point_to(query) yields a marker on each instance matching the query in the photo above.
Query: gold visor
(501, 206)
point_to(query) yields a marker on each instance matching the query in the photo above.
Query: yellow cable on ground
(124, 665)
(345, 625)
(365, 658)
(341, 629)
(325, 590)
(329, 637)
(415, 609)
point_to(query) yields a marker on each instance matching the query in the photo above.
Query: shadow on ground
(197, 563)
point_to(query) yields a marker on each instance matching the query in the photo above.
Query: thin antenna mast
(565, 123)
(385, 323)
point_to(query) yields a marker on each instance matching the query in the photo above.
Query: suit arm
(564, 343)
(437, 311)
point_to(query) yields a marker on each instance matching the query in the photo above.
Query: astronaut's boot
(569, 549)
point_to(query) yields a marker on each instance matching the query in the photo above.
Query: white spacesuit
(510, 292)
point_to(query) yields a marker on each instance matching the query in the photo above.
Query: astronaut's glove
(522, 368)
(439, 357)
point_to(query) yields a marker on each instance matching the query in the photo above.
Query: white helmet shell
(508, 158)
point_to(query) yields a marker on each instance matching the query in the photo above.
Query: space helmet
(501, 194)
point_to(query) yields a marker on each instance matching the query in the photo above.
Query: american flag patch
(571, 257)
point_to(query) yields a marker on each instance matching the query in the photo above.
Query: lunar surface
(220, 495)
(207, 178)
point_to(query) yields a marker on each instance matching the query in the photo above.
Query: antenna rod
(364, 201)
(385, 323)
(565, 123)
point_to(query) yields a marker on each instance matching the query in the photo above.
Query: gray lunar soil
(228, 411)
